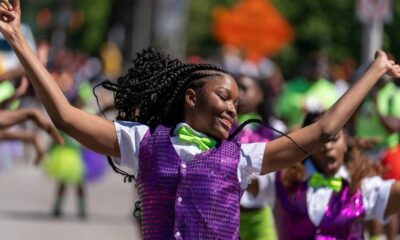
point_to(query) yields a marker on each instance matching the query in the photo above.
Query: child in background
(311, 92)
(388, 113)
(172, 128)
(256, 221)
(330, 194)
(71, 164)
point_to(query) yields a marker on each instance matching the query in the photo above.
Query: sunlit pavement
(26, 199)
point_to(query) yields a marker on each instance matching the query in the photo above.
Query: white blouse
(130, 134)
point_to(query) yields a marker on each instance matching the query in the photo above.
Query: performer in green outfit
(305, 94)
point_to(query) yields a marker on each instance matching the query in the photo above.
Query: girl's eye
(335, 139)
(224, 98)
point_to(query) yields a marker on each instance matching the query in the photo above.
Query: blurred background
(189, 27)
(84, 42)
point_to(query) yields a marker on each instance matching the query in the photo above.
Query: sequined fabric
(254, 133)
(194, 200)
(343, 218)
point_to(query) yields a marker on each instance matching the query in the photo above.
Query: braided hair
(153, 89)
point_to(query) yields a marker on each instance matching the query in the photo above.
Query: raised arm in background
(92, 131)
(10, 118)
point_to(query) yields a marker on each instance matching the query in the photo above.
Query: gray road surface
(26, 199)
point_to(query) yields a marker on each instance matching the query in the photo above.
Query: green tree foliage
(331, 25)
(200, 39)
(94, 30)
(89, 36)
(391, 38)
(318, 24)
(30, 9)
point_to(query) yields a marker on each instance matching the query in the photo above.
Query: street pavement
(26, 200)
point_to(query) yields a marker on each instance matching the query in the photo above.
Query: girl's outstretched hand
(10, 17)
(389, 66)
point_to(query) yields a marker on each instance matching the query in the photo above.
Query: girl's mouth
(226, 123)
(330, 163)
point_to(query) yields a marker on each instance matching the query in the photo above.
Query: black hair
(152, 91)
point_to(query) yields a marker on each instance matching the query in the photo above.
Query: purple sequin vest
(343, 218)
(194, 200)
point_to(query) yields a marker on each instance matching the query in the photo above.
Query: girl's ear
(190, 98)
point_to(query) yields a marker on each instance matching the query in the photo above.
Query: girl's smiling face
(330, 157)
(212, 109)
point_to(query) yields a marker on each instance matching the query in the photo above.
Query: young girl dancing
(172, 128)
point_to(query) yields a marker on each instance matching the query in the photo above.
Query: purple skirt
(95, 165)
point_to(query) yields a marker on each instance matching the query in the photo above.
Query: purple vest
(343, 218)
(197, 200)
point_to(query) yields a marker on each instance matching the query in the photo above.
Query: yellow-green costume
(65, 162)
(368, 123)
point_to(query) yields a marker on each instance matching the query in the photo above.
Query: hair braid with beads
(153, 89)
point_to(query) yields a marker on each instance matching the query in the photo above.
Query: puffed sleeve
(129, 135)
(375, 192)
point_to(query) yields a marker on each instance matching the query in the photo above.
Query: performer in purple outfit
(330, 194)
(256, 220)
(172, 129)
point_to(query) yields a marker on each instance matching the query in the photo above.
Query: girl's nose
(328, 146)
(231, 110)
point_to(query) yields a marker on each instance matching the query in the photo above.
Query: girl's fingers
(56, 137)
(5, 14)
(4, 6)
(7, 4)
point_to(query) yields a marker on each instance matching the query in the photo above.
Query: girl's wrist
(378, 68)
(15, 37)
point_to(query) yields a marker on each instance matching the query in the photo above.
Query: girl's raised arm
(92, 131)
(282, 153)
